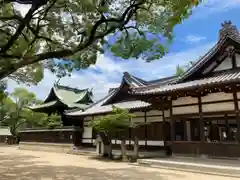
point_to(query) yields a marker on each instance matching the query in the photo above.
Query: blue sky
(194, 37)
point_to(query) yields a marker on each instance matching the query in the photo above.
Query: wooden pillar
(77, 136)
(201, 120)
(129, 133)
(188, 129)
(172, 122)
(163, 129)
(237, 115)
(145, 121)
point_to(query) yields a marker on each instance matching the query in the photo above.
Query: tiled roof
(99, 103)
(71, 97)
(108, 108)
(222, 78)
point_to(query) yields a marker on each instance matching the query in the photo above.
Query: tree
(3, 93)
(16, 116)
(109, 124)
(35, 119)
(181, 69)
(76, 32)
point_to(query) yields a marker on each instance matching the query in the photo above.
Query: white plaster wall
(184, 100)
(154, 119)
(218, 107)
(87, 133)
(139, 113)
(85, 123)
(155, 143)
(226, 64)
(217, 97)
(237, 60)
(185, 109)
(138, 119)
(86, 141)
(88, 118)
(154, 113)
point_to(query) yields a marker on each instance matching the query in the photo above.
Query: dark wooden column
(172, 122)
(201, 120)
(237, 115)
(145, 121)
(130, 133)
(163, 128)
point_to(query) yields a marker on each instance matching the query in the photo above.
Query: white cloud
(194, 39)
(111, 72)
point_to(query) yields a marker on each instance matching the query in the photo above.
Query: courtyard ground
(35, 165)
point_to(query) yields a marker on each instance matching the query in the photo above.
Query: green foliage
(15, 112)
(118, 120)
(76, 32)
(3, 93)
(181, 69)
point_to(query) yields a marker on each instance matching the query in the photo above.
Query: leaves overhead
(76, 32)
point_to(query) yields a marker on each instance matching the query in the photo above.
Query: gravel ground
(35, 165)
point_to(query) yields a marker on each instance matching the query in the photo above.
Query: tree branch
(119, 23)
(18, 32)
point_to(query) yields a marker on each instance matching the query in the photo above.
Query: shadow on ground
(24, 167)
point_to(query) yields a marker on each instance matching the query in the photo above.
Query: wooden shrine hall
(201, 107)
(196, 113)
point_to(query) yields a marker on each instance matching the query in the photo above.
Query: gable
(216, 59)
(237, 60)
(226, 64)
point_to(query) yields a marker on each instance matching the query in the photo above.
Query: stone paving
(35, 165)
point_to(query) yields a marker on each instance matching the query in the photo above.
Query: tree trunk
(110, 155)
(136, 148)
(123, 150)
(107, 142)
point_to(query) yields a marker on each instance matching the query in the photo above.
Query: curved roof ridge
(129, 77)
(70, 88)
(99, 102)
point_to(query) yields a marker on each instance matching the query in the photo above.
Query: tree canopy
(77, 31)
(14, 112)
(181, 69)
(118, 120)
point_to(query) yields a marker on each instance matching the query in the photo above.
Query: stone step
(231, 171)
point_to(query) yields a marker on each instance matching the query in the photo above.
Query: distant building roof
(71, 97)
